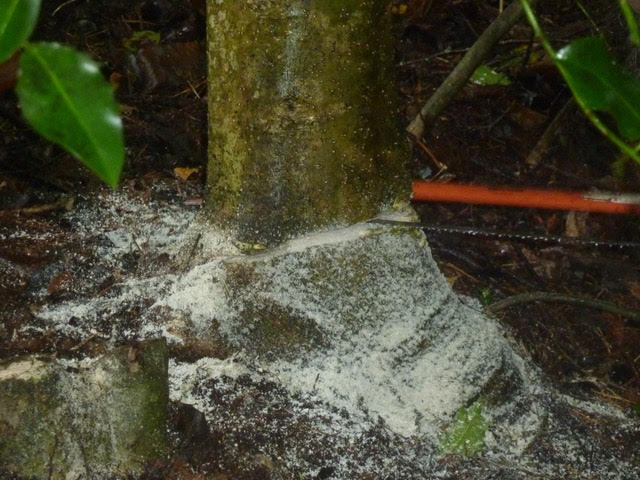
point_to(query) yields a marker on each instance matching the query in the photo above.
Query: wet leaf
(601, 83)
(9, 73)
(485, 75)
(526, 118)
(466, 434)
(616, 328)
(486, 296)
(634, 289)
(65, 98)
(61, 283)
(576, 224)
(630, 18)
(399, 8)
(139, 37)
(17, 20)
(173, 65)
(185, 172)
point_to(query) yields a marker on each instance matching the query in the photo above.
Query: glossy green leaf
(17, 20)
(485, 75)
(567, 74)
(466, 434)
(66, 99)
(630, 17)
(601, 84)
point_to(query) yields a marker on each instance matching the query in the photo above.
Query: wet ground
(491, 135)
(497, 135)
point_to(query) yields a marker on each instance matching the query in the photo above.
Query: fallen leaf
(194, 202)
(527, 118)
(544, 266)
(185, 172)
(171, 65)
(60, 283)
(576, 224)
(634, 289)
(616, 326)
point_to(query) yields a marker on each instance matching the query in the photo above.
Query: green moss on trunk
(304, 129)
(101, 418)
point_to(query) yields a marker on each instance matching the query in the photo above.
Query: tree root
(632, 315)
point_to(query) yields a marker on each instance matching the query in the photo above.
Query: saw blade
(501, 235)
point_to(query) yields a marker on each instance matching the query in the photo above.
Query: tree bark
(304, 127)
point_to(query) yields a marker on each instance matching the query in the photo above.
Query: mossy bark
(104, 418)
(303, 125)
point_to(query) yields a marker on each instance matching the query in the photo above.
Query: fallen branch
(465, 68)
(65, 203)
(632, 315)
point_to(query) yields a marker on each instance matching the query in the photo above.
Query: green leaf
(466, 434)
(65, 98)
(601, 84)
(17, 20)
(485, 75)
(486, 297)
(632, 23)
(141, 36)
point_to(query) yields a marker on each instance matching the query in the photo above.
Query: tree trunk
(304, 129)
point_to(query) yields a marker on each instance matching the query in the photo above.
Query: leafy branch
(598, 83)
(63, 95)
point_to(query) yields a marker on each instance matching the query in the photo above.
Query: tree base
(362, 318)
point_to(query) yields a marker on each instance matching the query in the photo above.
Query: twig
(65, 203)
(61, 6)
(441, 166)
(632, 315)
(456, 51)
(465, 68)
(546, 140)
(443, 53)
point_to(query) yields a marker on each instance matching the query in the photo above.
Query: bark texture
(304, 129)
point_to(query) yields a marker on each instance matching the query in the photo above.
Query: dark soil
(486, 136)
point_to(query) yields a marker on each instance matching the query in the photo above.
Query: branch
(465, 68)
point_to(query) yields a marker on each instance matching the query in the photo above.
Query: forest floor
(153, 51)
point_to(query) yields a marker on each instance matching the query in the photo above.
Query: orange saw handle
(602, 202)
